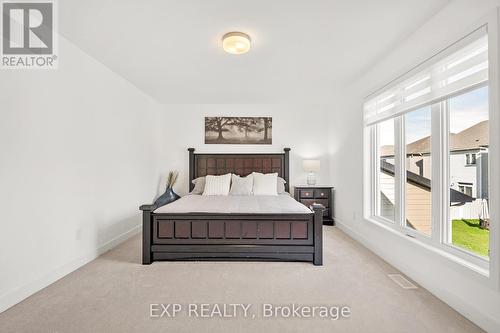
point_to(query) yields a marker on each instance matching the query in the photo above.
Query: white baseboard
(12, 298)
(475, 315)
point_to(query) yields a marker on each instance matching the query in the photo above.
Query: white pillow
(265, 184)
(281, 186)
(241, 185)
(199, 185)
(217, 185)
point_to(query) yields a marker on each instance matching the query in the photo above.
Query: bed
(243, 228)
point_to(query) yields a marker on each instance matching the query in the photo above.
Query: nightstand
(317, 194)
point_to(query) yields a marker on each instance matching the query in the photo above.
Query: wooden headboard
(202, 164)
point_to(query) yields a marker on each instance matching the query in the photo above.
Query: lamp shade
(311, 165)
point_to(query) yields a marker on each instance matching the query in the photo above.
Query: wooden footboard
(284, 237)
(243, 237)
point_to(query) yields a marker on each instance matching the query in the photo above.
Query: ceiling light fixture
(236, 42)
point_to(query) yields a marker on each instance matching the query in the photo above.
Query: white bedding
(240, 204)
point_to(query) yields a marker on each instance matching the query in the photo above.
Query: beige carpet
(114, 293)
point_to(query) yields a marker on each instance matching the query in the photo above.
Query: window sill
(482, 271)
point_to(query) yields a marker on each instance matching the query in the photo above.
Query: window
(468, 132)
(422, 130)
(386, 183)
(418, 195)
(465, 188)
(470, 159)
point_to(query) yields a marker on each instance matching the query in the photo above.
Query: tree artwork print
(238, 130)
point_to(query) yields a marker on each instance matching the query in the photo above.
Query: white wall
(460, 287)
(81, 149)
(303, 128)
(78, 155)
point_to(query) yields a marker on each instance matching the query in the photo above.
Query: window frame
(466, 188)
(440, 236)
(377, 199)
(439, 240)
(470, 159)
(409, 231)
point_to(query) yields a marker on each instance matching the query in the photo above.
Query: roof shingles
(473, 137)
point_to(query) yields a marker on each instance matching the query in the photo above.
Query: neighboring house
(468, 177)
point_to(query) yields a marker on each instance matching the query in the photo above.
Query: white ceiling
(301, 51)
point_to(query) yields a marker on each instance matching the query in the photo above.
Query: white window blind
(463, 66)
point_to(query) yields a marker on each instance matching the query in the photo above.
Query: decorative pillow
(281, 186)
(217, 185)
(241, 185)
(265, 184)
(199, 185)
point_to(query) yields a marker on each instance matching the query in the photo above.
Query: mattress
(236, 204)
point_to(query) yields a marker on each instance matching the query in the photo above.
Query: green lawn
(467, 234)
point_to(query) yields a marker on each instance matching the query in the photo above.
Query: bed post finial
(191, 168)
(286, 169)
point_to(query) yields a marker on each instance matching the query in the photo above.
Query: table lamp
(311, 166)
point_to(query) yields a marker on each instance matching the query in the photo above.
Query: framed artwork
(239, 130)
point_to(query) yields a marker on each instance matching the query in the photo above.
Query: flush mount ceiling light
(236, 42)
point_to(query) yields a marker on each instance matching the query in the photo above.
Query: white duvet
(240, 204)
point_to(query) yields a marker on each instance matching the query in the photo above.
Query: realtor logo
(28, 31)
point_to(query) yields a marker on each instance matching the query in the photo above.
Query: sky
(465, 111)
(468, 109)
(418, 124)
